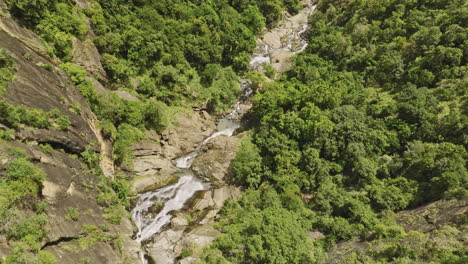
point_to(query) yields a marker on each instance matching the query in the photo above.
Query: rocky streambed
(181, 174)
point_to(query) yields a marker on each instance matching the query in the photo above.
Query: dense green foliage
(371, 117)
(19, 116)
(19, 188)
(181, 50)
(266, 227)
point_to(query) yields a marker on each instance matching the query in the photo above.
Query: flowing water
(174, 197)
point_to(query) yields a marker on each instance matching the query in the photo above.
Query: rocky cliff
(78, 227)
(77, 230)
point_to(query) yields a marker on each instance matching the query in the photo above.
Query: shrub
(63, 123)
(72, 214)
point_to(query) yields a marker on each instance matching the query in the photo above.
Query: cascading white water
(174, 197)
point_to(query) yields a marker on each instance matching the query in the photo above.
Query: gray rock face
(36, 87)
(68, 184)
(214, 163)
(153, 163)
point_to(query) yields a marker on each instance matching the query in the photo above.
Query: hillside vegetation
(371, 119)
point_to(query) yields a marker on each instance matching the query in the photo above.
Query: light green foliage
(56, 22)
(6, 70)
(25, 234)
(18, 116)
(92, 234)
(108, 129)
(22, 179)
(269, 70)
(156, 115)
(127, 135)
(8, 134)
(113, 194)
(78, 76)
(63, 123)
(186, 252)
(47, 258)
(72, 214)
(259, 229)
(46, 148)
(31, 11)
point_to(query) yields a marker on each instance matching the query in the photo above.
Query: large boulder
(215, 161)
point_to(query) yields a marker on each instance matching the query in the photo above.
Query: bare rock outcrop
(214, 163)
(153, 163)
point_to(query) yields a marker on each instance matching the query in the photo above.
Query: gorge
(275, 47)
(233, 131)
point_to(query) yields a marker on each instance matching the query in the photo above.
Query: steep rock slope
(76, 229)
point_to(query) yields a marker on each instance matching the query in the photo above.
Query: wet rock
(153, 165)
(155, 209)
(281, 60)
(203, 201)
(226, 192)
(162, 247)
(150, 183)
(146, 148)
(273, 40)
(50, 190)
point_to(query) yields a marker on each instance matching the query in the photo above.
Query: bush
(46, 148)
(6, 70)
(247, 165)
(23, 178)
(63, 123)
(127, 135)
(47, 257)
(72, 214)
(156, 115)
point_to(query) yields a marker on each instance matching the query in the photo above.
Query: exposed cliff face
(40, 84)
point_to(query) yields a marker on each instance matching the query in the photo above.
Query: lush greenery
(371, 118)
(20, 188)
(174, 51)
(19, 116)
(6, 70)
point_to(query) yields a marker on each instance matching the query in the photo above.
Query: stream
(174, 197)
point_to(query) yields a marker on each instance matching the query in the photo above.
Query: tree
(247, 165)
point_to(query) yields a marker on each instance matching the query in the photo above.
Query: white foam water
(174, 197)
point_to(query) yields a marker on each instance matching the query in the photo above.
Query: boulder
(214, 163)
